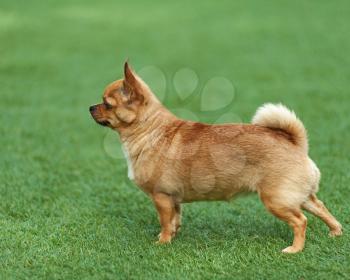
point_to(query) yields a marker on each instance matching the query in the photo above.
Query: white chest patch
(128, 161)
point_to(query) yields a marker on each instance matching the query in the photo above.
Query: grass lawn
(67, 208)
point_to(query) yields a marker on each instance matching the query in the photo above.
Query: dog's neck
(146, 133)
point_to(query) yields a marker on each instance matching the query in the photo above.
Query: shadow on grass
(203, 222)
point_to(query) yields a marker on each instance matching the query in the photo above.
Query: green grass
(67, 209)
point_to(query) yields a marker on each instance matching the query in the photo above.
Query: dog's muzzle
(93, 110)
(104, 123)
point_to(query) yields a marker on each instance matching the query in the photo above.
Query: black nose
(92, 108)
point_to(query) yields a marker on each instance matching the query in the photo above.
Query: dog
(176, 161)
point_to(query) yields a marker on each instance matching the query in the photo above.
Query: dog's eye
(108, 106)
(122, 91)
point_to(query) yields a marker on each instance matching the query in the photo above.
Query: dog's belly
(216, 186)
(209, 182)
(202, 193)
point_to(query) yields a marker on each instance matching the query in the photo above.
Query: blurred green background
(67, 209)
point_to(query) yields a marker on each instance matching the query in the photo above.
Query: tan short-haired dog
(176, 161)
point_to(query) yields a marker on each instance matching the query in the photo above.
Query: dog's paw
(164, 239)
(291, 250)
(162, 242)
(336, 232)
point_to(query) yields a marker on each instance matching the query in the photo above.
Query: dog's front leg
(177, 219)
(166, 211)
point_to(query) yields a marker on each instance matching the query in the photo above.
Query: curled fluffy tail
(280, 117)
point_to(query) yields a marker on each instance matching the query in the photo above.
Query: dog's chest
(131, 174)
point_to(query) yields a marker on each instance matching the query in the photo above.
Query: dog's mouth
(104, 123)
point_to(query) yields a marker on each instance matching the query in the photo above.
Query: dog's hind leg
(297, 221)
(280, 207)
(317, 208)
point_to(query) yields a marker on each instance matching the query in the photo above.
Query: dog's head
(124, 101)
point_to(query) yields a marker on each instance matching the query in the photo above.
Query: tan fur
(176, 161)
(279, 117)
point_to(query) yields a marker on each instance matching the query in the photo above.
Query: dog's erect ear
(132, 86)
(129, 75)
